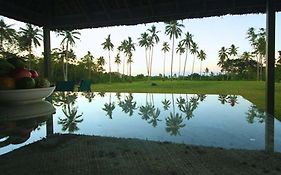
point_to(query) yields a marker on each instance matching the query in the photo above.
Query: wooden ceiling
(78, 14)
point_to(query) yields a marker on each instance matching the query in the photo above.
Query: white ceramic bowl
(18, 96)
(26, 111)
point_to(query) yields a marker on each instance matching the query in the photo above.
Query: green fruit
(25, 83)
(16, 62)
(5, 67)
(42, 83)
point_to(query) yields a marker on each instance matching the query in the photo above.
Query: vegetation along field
(252, 90)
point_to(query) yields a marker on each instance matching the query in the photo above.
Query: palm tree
(223, 56)
(165, 49)
(117, 61)
(30, 35)
(100, 64)
(130, 47)
(173, 29)
(144, 42)
(180, 49)
(69, 37)
(6, 34)
(166, 104)
(232, 51)
(194, 51)
(128, 105)
(122, 48)
(187, 42)
(107, 45)
(201, 57)
(154, 40)
(88, 60)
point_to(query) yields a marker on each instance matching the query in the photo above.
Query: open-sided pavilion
(79, 14)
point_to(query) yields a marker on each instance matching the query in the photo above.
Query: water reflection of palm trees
(128, 105)
(255, 113)
(109, 107)
(187, 106)
(166, 104)
(222, 98)
(67, 100)
(175, 121)
(72, 119)
(89, 95)
(232, 100)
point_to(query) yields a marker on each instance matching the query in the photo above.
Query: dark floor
(75, 155)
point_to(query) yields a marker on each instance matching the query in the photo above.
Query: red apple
(34, 73)
(20, 73)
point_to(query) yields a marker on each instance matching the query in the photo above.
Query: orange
(7, 83)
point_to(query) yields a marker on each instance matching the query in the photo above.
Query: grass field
(251, 90)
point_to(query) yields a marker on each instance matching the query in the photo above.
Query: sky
(210, 34)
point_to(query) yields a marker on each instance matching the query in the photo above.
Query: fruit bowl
(18, 96)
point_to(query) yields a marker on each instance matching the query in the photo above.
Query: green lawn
(251, 90)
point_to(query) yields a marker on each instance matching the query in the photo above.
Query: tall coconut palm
(154, 40)
(100, 64)
(194, 51)
(107, 45)
(232, 51)
(201, 57)
(88, 61)
(173, 29)
(69, 37)
(252, 36)
(144, 42)
(117, 61)
(165, 49)
(30, 35)
(187, 42)
(223, 56)
(180, 50)
(130, 47)
(122, 48)
(7, 33)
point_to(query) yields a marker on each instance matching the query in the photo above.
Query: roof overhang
(78, 14)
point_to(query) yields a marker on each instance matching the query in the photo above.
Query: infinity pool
(227, 121)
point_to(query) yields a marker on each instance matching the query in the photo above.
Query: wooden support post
(47, 53)
(270, 79)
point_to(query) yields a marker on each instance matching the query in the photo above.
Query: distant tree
(201, 57)
(144, 42)
(107, 45)
(100, 64)
(279, 57)
(7, 34)
(180, 50)
(88, 61)
(30, 35)
(154, 40)
(206, 71)
(117, 61)
(122, 48)
(223, 57)
(173, 30)
(129, 48)
(258, 43)
(165, 49)
(232, 51)
(69, 37)
(194, 51)
(187, 41)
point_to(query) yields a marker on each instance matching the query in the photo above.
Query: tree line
(66, 66)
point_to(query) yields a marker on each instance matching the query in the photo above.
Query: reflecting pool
(227, 121)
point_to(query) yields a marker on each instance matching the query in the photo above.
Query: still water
(227, 121)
